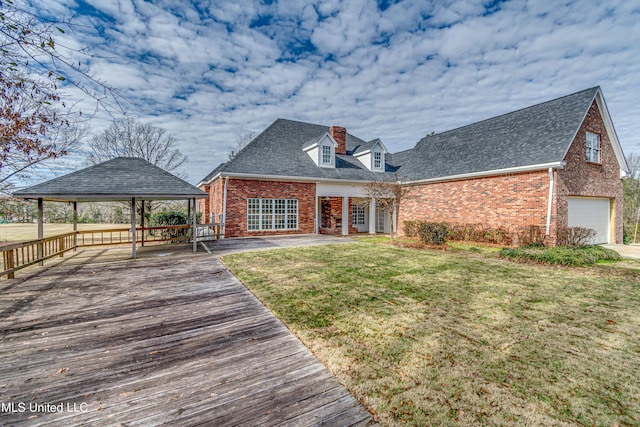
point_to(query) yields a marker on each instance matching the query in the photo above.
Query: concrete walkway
(228, 246)
(626, 251)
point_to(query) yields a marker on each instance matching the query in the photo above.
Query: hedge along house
(555, 164)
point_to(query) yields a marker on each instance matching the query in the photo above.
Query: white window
(593, 147)
(377, 160)
(272, 214)
(326, 154)
(357, 214)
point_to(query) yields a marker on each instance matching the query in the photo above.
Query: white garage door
(590, 213)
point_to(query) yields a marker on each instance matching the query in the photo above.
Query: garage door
(590, 213)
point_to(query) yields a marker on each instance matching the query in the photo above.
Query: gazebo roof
(121, 178)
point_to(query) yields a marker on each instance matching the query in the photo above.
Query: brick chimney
(340, 135)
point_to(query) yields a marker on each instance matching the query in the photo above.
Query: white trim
(372, 215)
(611, 132)
(384, 149)
(345, 216)
(373, 161)
(315, 144)
(506, 171)
(291, 178)
(273, 213)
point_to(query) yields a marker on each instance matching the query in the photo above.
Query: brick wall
(340, 135)
(203, 205)
(505, 201)
(239, 190)
(216, 197)
(517, 200)
(582, 178)
(331, 216)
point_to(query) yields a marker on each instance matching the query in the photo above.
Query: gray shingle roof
(535, 135)
(211, 174)
(396, 160)
(278, 151)
(366, 146)
(118, 179)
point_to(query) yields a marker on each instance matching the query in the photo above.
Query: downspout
(550, 201)
(224, 205)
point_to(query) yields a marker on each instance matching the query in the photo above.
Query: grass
(403, 241)
(11, 233)
(426, 337)
(569, 256)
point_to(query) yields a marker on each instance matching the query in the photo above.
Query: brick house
(553, 164)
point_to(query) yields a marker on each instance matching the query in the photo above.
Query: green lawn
(429, 337)
(18, 232)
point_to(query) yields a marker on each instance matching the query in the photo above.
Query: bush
(479, 233)
(433, 233)
(532, 235)
(410, 228)
(575, 236)
(561, 255)
(161, 219)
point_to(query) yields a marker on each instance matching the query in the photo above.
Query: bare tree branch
(36, 120)
(388, 195)
(243, 141)
(130, 138)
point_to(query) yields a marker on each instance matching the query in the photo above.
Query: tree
(130, 138)
(631, 187)
(388, 195)
(243, 141)
(21, 163)
(34, 115)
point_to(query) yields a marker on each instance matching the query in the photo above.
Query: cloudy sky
(210, 71)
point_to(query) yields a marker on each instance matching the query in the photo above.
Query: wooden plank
(172, 339)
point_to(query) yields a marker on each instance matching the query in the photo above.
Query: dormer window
(322, 151)
(377, 160)
(326, 154)
(593, 147)
(371, 155)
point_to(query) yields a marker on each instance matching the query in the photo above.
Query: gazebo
(119, 179)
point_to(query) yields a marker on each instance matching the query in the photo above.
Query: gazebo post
(75, 225)
(193, 222)
(133, 227)
(142, 220)
(40, 228)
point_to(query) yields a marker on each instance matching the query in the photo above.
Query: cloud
(210, 71)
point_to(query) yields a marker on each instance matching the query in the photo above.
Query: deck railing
(24, 254)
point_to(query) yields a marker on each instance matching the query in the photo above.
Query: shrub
(575, 236)
(465, 232)
(410, 228)
(532, 235)
(479, 233)
(161, 219)
(433, 233)
(561, 255)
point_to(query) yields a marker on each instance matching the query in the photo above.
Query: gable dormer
(371, 155)
(322, 151)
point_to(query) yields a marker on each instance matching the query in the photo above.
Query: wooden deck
(170, 338)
